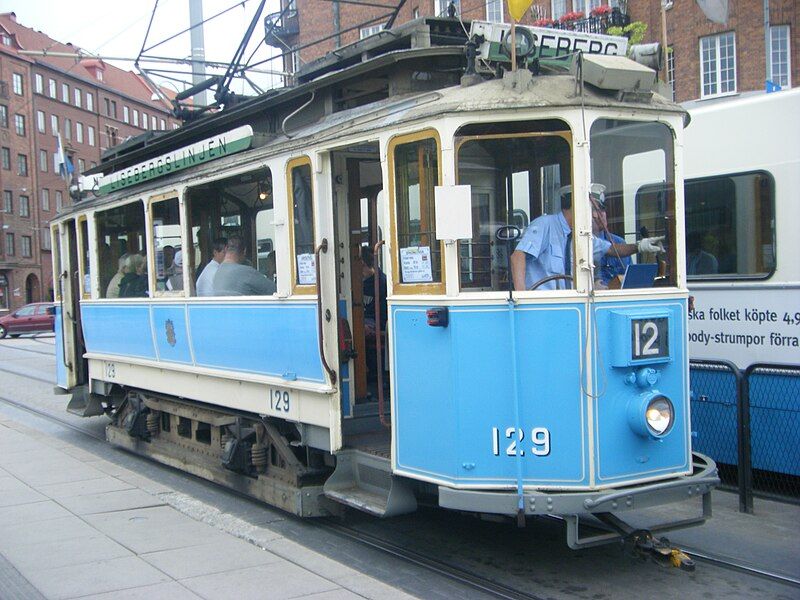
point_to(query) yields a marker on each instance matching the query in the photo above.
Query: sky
(114, 28)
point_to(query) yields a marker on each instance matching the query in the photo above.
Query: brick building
(708, 58)
(93, 105)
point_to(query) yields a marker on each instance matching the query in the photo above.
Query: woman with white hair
(134, 282)
(113, 286)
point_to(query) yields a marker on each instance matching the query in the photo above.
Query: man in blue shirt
(610, 265)
(546, 246)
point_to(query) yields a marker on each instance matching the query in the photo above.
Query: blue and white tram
(569, 402)
(742, 158)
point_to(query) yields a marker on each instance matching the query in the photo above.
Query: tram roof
(382, 57)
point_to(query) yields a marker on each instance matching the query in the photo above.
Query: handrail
(64, 315)
(378, 350)
(323, 247)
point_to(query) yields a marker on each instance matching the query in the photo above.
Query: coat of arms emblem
(170, 327)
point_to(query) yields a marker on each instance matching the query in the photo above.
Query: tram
(421, 149)
(742, 172)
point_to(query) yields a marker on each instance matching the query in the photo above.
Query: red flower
(571, 16)
(601, 11)
(543, 22)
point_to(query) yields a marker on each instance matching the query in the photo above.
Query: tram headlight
(651, 415)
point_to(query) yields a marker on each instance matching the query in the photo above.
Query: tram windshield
(515, 177)
(634, 161)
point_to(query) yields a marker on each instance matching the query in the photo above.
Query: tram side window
(634, 162)
(167, 246)
(730, 226)
(416, 173)
(302, 204)
(238, 208)
(121, 251)
(514, 179)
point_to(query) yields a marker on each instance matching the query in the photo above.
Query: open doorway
(359, 191)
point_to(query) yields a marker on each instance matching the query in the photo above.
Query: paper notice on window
(415, 264)
(306, 269)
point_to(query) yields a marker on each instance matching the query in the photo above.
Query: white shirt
(205, 283)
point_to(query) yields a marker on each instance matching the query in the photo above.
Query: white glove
(651, 245)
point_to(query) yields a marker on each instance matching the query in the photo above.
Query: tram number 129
(279, 400)
(539, 440)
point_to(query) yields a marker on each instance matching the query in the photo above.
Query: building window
(718, 64)
(38, 82)
(68, 129)
(3, 115)
(579, 6)
(559, 8)
(46, 241)
(91, 135)
(365, 33)
(113, 109)
(64, 93)
(6, 154)
(81, 165)
(40, 125)
(59, 200)
(16, 84)
(22, 165)
(89, 102)
(56, 162)
(54, 124)
(43, 161)
(780, 57)
(163, 124)
(79, 132)
(46, 201)
(108, 106)
(8, 201)
(24, 206)
(52, 88)
(126, 114)
(135, 118)
(441, 7)
(10, 246)
(6, 39)
(26, 246)
(416, 13)
(144, 120)
(494, 11)
(671, 72)
(19, 124)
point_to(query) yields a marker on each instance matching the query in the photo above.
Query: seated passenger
(236, 279)
(545, 247)
(205, 282)
(134, 282)
(113, 286)
(175, 281)
(698, 261)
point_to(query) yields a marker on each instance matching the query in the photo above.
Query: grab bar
(323, 247)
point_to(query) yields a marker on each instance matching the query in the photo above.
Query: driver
(545, 247)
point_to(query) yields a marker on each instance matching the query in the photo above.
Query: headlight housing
(651, 415)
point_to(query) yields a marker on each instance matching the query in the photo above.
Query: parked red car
(31, 318)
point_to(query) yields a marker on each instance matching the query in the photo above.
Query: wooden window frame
(290, 166)
(398, 287)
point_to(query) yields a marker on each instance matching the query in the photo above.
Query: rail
(378, 349)
(323, 247)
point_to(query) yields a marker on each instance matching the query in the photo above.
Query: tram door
(358, 195)
(74, 371)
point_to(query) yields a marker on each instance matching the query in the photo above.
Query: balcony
(277, 28)
(590, 24)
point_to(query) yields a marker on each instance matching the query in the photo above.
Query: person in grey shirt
(236, 279)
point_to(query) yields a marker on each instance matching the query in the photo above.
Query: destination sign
(204, 151)
(544, 42)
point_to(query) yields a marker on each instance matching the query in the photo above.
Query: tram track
(31, 350)
(435, 565)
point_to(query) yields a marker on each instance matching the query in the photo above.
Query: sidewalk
(74, 525)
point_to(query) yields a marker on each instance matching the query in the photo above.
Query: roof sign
(204, 151)
(542, 43)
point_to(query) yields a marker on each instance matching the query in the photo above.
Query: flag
(517, 8)
(65, 168)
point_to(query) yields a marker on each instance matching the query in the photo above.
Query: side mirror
(508, 233)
